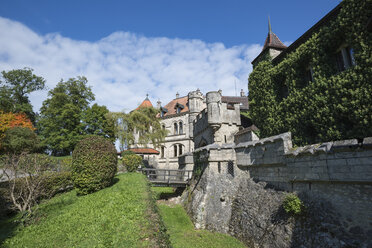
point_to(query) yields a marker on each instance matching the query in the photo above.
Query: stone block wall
(337, 175)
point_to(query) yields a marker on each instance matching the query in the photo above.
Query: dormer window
(163, 111)
(345, 58)
(179, 108)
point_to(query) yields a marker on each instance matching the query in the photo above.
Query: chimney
(242, 93)
(177, 95)
(158, 104)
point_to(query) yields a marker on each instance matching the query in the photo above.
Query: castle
(194, 121)
(209, 135)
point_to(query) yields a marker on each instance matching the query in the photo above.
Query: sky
(128, 49)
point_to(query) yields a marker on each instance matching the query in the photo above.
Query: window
(175, 150)
(230, 168)
(180, 126)
(345, 58)
(175, 128)
(309, 74)
(178, 110)
(179, 149)
(162, 152)
(161, 114)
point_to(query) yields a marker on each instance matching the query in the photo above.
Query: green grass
(117, 216)
(182, 233)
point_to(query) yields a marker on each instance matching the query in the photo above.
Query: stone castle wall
(335, 176)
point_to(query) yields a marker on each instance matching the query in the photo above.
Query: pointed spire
(146, 103)
(269, 26)
(272, 40)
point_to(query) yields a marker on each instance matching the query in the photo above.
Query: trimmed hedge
(94, 164)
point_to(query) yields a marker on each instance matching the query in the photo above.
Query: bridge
(167, 177)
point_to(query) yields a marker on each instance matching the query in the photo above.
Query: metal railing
(162, 177)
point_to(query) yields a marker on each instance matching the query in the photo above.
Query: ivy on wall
(335, 105)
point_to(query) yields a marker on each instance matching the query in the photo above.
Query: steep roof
(145, 104)
(171, 106)
(273, 41)
(243, 100)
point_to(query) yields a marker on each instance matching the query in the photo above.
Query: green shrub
(292, 204)
(56, 182)
(94, 164)
(132, 162)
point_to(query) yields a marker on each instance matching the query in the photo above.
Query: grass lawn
(181, 230)
(119, 216)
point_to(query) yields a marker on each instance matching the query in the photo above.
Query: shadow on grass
(8, 225)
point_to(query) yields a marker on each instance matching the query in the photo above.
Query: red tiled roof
(273, 41)
(243, 100)
(171, 106)
(143, 150)
(145, 104)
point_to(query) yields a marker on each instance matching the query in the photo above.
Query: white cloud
(123, 67)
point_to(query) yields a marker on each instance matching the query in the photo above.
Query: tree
(96, 121)
(15, 89)
(60, 124)
(25, 178)
(141, 126)
(20, 139)
(12, 120)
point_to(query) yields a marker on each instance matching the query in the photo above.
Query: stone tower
(195, 106)
(214, 109)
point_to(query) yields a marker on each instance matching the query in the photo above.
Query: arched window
(175, 150)
(175, 128)
(180, 150)
(180, 127)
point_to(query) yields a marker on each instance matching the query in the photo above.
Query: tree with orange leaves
(11, 120)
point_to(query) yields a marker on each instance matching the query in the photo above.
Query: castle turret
(272, 47)
(195, 106)
(214, 109)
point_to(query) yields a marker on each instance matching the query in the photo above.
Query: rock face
(255, 216)
(333, 179)
(259, 220)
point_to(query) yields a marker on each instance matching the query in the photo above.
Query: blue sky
(130, 48)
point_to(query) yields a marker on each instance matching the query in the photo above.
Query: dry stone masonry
(238, 188)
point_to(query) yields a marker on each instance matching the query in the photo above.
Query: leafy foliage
(60, 124)
(293, 205)
(95, 121)
(12, 120)
(20, 139)
(140, 126)
(94, 164)
(132, 162)
(15, 88)
(336, 105)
